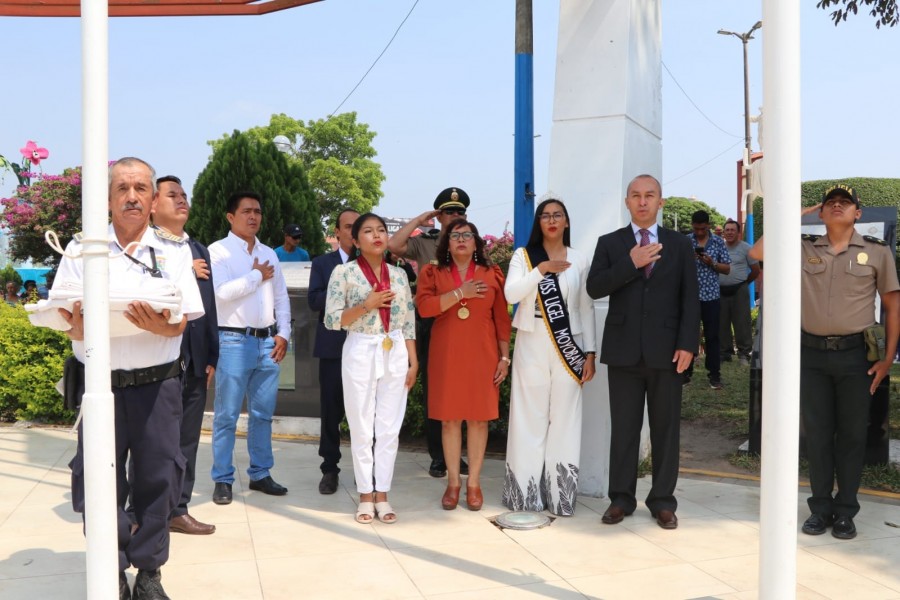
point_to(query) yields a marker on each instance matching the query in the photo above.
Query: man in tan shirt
(842, 272)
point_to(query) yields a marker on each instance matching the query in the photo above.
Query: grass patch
(729, 408)
(874, 477)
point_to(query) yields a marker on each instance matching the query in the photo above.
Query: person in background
(328, 347)
(734, 289)
(554, 357)
(469, 356)
(371, 300)
(291, 251)
(12, 293)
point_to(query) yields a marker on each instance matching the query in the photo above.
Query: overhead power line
(695, 104)
(739, 142)
(376, 60)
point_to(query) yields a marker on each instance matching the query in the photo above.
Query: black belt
(832, 342)
(264, 332)
(122, 378)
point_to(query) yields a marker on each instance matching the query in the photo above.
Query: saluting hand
(642, 256)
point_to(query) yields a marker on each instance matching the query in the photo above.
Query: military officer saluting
(842, 272)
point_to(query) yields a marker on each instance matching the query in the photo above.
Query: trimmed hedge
(31, 362)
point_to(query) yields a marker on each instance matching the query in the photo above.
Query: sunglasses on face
(454, 211)
(461, 235)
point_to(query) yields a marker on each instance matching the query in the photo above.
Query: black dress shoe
(666, 519)
(816, 524)
(463, 467)
(148, 586)
(438, 469)
(187, 524)
(329, 483)
(222, 493)
(267, 485)
(614, 514)
(843, 528)
(124, 590)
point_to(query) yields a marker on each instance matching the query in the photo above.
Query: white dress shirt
(144, 349)
(243, 299)
(654, 238)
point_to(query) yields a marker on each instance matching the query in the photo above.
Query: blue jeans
(245, 369)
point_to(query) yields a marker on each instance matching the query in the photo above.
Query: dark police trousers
(432, 426)
(147, 424)
(834, 408)
(331, 406)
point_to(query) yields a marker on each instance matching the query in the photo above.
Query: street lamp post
(746, 37)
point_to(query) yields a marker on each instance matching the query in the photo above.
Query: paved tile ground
(305, 545)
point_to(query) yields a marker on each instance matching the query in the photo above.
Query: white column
(781, 301)
(607, 128)
(98, 414)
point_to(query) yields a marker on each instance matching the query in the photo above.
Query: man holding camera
(712, 260)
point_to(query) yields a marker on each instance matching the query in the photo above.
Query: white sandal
(383, 510)
(365, 513)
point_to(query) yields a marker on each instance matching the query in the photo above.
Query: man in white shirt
(254, 317)
(146, 370)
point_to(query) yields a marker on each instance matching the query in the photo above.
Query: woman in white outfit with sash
(553, 356)
(372, 301)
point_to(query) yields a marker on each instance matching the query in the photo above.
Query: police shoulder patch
(809, 237)
(875, 240)
(432, 234)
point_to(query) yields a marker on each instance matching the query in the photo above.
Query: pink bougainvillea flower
(33, 153)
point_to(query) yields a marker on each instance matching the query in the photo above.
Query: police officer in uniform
(449, 205)
(146, 370)
(842, 272)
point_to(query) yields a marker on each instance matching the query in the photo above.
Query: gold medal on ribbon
(463, 313)
(387, 343)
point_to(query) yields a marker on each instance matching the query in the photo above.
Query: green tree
(8, 273)
(337, 153)
(677, 213)
(240, 163)
(886, 12)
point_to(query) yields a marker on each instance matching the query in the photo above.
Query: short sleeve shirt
(838, 289)
(422, 248)
(707, 277)
(740, 264)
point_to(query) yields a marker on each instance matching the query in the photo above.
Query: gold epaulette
(809, 237)
(875, 240)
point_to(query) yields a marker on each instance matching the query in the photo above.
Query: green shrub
(31, 362)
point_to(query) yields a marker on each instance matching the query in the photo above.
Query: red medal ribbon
(378, 286)
(470, 273)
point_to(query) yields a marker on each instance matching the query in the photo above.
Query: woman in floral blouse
(372, 301)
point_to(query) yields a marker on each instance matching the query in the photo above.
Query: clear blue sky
(441, 98)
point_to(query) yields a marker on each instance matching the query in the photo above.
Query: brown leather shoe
(187, 524)
(613, 515)
(451, 497)
(474, 498)
(666, 519)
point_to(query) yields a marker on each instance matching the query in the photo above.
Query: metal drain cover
(522, 519)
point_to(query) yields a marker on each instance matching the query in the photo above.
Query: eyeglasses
(454, 211)
(557, 216)
(461, 235)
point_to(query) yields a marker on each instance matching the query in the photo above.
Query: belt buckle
(833, 342)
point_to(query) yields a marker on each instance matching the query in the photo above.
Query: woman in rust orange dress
(469, 355)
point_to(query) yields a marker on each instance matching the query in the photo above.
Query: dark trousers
(709, 317)
(193, 403)
(147, 424)
(834, 408)
(331, 409)
(432, 426)
(735, 312)
(628, 387)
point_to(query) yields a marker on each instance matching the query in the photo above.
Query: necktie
(645, 240)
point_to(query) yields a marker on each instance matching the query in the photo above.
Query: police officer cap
(293, 230)
(452, 198)
(841, 190)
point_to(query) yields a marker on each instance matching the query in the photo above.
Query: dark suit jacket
(200, 342)
(328, 343)
(648, 318)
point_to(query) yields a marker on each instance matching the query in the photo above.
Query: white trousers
(544, 441)
(375, 401)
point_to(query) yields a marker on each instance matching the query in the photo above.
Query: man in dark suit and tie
(199, 346)
(328, 350)
(650, 335)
